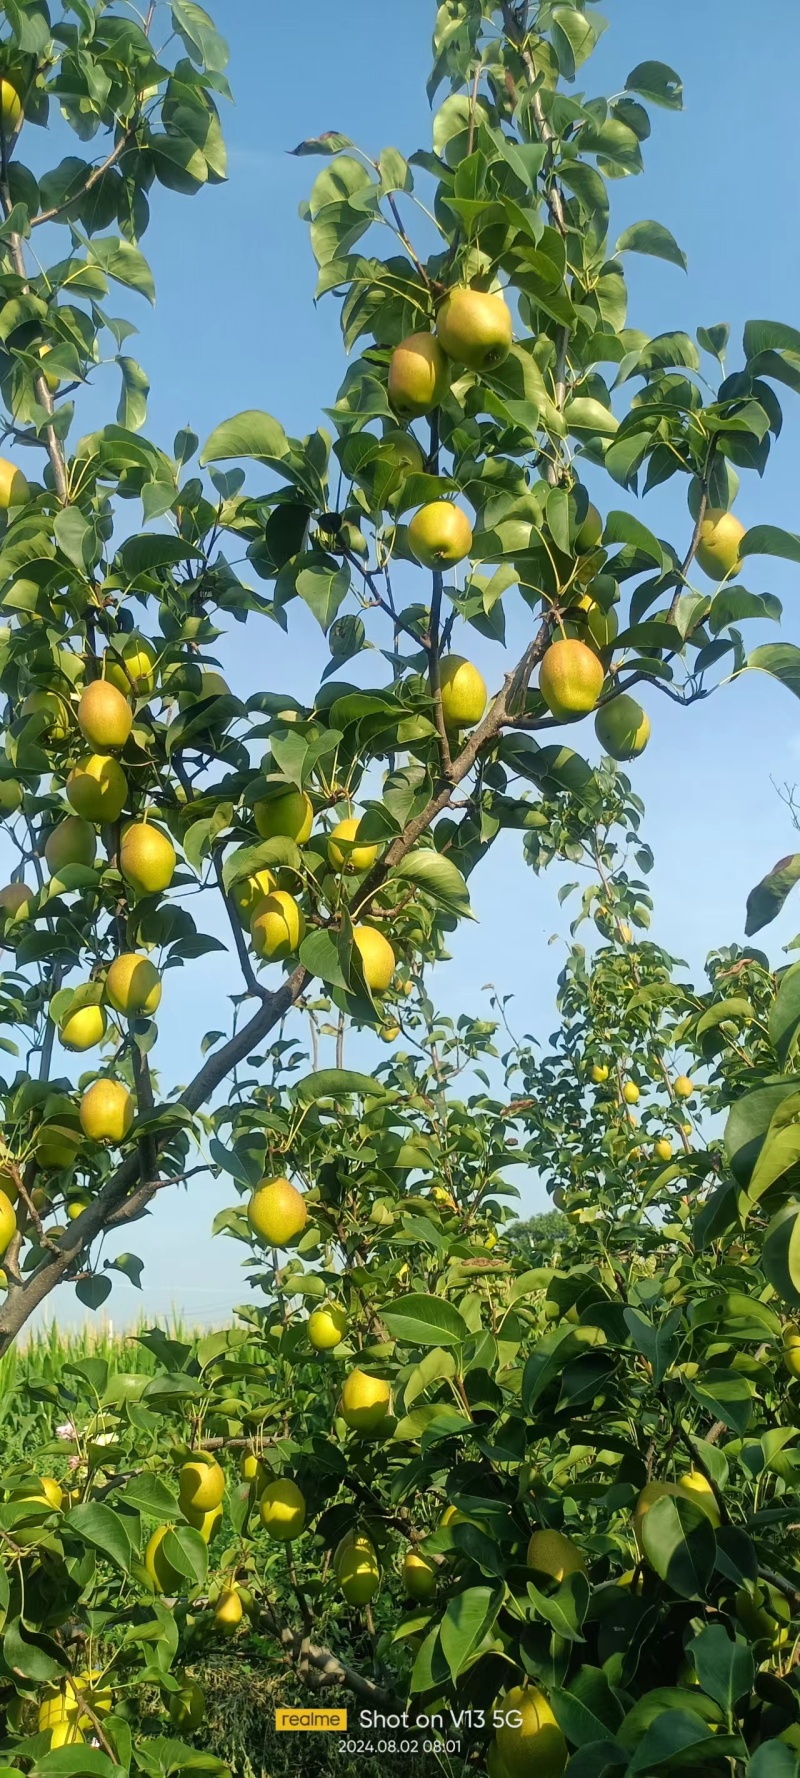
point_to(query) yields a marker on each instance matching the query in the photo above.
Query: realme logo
(316, 1720)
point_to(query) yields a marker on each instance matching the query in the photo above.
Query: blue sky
(235, 327)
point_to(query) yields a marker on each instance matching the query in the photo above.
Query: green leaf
(781, 659)
(725, 1669)
(323, 585)
(780, 1254)
(658, 1344)
(76, 537)
(101, 1526)
(319, 954)
(202, 40)
(784, 1018)
(584, 414)
(330, 142)
(652, 238)
(769, 336)
(425, 1321)
(672, 1734)
(247, 861)
(764, 903)
(123, 262)
(769, 540)
(185, 1550)
(622, 527)
(714, 340)
(658, 82)
(31, 1654)
(725, 1009)
(565, 1609)
(468, 1619)
(132, 406)
(679, 1544)
(148, 552)
(726, 1396)
(438, 877)
(773, 1759)
(334, 1083)
(249, 434)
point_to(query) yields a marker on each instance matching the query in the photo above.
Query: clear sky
(235, 327)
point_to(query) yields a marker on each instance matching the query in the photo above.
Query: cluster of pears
(274, 917)
(474, 330)
(97, 787)
(69, 1713)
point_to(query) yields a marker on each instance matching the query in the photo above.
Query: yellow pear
(389, 1031)
(136, 677)
(105, 717)
(327, 1327)
(570, 679)
(228, 1611)
(662, 1149)
(186, 1707)
(651, 1492)
(207, 1523)
(590, 532)
(290, 815)
(283, 1510)
(529, 1740)
(791, 1349)
(417, 375)
(201, 1483)
(683, 1087)
(10, 109)
(475, 328)
(106, 1111)
(599, 1073)
(247, 894)
(97, 788)
(365, 1401)
(66, 1734)
(343, 852)
(440, 535)
(54, 1709)
(765, 1614)
(463, 691)
(17, 899)
(277, 1212)
(419, 1576)
(720, 541)
(133, 985)
(356, 1568)
(699, 1489)
(377, 958)
(403, 450)
(630, 1093)
(277, 927)
(51, 378)
(83, 1028)
(10, 796)
(147, 858)
(79, 1202)
(622, 728)
(14, 487)
(165, 1578)
(53, 710)
(8, 1221)
(73, 841)
(57, 1145)
(549, 1552)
